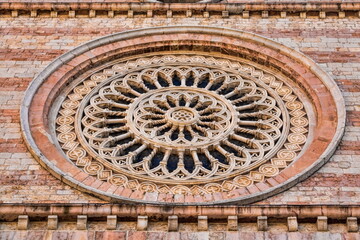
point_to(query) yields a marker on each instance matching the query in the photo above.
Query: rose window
(178, 122)
(161, 115)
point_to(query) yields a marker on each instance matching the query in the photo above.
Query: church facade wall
(29, 44)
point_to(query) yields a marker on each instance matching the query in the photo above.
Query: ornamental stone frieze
(183, 115)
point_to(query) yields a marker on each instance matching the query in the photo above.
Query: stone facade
(29, 42)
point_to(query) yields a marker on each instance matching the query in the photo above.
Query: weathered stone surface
(81, 223)
(322, 223)
(23, 222)
(52, 222)
(262, 224)
(232, 223)
(203, 223)
(49, 41)
(292, 224)
(29, 44)
(107, 235)
(352, 224)
(142, 223)
(111, 222)
(173, 223)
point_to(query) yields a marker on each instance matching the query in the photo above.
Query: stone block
(283, 14)
(206, 14)
(53, 14)
(52, 222)
(23, 222)
(352, 224)
(189, 13)
(232, 223)
(292, 224)
(265, 14)
(322, 14)
(110, 14)
(303, 15)
(342, 15)
(322, 223)
(142, 223)
(92, 13)
(203, 223)
(111, 222)
(72, 14)
(149, 13)
(262, 223)
(14, 13)
(33, 13)
(173, 223)
(81, 222)
(169, 13)
(130, 14)
(246, 14)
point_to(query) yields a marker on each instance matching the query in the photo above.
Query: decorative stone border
(10, 212)
(149, 9)
(113, 214)
(322, 90)
(142, 223)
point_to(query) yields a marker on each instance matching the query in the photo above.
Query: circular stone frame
(323, 92)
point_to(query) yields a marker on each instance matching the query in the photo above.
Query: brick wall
(27, 45)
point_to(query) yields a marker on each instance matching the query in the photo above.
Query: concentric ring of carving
(181, 117)
(182, 124)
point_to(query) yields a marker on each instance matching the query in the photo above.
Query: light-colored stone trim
(111, 222)
(262, 223)
(352, 224)
(349, 213)
(232, 9)
(52, 223)
(81, 223)
(173, 223)
(142, 223)
(322, 223)
(292, 224)
(23, 222)
(232, 223)
(203, 223)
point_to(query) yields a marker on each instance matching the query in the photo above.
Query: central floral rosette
(181, 117)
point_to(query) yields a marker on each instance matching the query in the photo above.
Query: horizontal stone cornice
(12, 211)
(131, 9)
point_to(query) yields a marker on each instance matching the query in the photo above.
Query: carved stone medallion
(195, 123)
